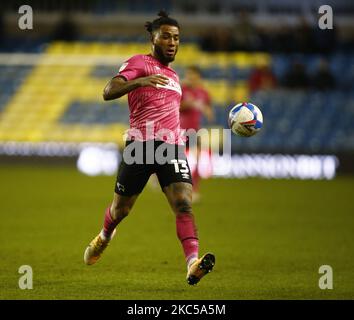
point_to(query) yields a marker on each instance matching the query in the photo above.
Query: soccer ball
(245, 119)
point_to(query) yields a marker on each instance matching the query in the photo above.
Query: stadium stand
(59, 97)
(51, 90)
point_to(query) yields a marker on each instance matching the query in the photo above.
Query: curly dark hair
(157, 23)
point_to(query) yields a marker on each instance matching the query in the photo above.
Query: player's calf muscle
(183, 202)
(119, 214)
(182, 205)
(180, 197)
(121, 206)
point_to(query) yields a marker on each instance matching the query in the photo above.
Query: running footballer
(154, 96)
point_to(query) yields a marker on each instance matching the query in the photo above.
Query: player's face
(166, 41)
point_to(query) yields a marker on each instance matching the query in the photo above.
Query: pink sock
(109, 224)
(187, 234)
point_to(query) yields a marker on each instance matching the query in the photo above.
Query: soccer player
(195, 103)
(154, 96)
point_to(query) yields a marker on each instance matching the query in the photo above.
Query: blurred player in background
(154, 96)
(195, 103)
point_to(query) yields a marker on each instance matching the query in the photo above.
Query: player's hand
(153, 81)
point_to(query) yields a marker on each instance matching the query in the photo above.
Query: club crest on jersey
(172, 85)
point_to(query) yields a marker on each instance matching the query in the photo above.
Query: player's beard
(160, 55)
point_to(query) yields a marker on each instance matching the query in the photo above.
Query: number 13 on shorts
(181, 167)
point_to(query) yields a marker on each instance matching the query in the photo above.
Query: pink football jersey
(154, 112)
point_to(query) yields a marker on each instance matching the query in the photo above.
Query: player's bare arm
(118, 86)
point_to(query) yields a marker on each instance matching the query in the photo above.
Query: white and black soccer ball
(245, 119)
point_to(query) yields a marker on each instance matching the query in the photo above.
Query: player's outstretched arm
(118, 86)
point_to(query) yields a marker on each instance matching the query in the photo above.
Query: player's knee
(183, 205)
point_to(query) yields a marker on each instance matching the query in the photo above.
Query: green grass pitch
(269, 237)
